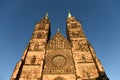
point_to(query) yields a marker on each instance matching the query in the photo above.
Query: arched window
(39, 35)
(36, 47)
(33, 59)
(74, 25)
(83, 57)
(42, 26)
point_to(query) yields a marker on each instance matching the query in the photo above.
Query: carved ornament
(58, 42)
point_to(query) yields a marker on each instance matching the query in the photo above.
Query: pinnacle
(46, 16)
(69, 14)
(58, 30)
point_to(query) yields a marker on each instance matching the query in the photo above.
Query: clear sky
(100, 20)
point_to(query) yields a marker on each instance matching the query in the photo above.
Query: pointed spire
(58, 30)
(46, 16)
(69, 14)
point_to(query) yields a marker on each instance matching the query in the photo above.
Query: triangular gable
(58, 42)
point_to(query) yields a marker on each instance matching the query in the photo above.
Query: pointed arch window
(36, 47)
(33, 59)
(39, 35)
(83, 57)
(74, 25)
(42, 26)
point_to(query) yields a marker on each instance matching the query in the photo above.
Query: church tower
(87, 65)
(30, 66)
(59, 58)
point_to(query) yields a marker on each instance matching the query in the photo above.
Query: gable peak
(58, 42)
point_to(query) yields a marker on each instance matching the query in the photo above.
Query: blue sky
(100, 20)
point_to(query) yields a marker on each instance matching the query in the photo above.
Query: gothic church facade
(59, 58)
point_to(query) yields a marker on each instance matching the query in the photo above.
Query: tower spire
(46, 16)
(69, 14)
(58, 29)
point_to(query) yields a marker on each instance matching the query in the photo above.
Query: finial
(69, 14)
(58, 30)
(46, 16)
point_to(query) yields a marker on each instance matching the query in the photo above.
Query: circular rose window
(59, 61)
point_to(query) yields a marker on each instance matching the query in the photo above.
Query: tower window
(83, 57)
(33, 59)
(74, 25)
(39, 35)
(42, 26)
(36, 47)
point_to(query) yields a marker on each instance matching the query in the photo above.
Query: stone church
(59, 58)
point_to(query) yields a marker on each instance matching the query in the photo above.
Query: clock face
(59, 61)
